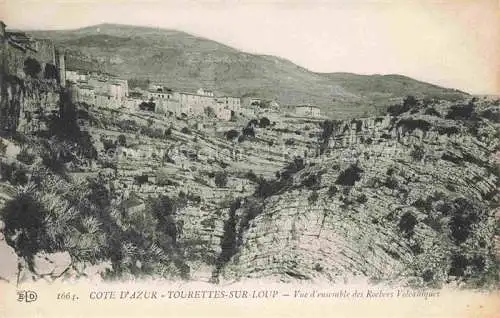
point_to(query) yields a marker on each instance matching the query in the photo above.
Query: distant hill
(183, 61)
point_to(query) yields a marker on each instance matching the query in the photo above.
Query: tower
(61, 67)
(2, 29)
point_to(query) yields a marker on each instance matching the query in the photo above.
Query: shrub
(3, 147)
(220, 179)
(463, 219)
(417, 153)
(312, 181)
(411, 124)
(253, 123)
(313, 197)
(241, 138)
(108, 144)
(19, 177)
(153, 132)
(209, 112)
(231, 134)
(25, 156)
(349, 176)
(289, 142)
(122, 140)
(54, 162)
(25, 216)
(451, 158)
(328, 129)
(186, 131)
(264, 122)
(248, 132)
(149, 106)
(32, 67)
(461, 112)
(448, 130)
(407, 223)
(432, 112)
(267, 188)
(332, 190)
(493, 115)
(168, 132)
(391, 182)
(427, 275)
(362, 198)
(293, 167)
(410, 101)
(141, 179)
(458, 265)
(250, 175)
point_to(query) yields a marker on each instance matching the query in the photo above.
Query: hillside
(126, 194)
(91, 192)
(184, 61)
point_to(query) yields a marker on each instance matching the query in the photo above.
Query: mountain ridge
(181, 60)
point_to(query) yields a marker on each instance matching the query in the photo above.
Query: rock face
(8, 262)
(392, 199)
(52, 265)
(407, 197)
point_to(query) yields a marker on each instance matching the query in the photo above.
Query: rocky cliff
(409, 196)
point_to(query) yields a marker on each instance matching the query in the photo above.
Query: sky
(452, 43)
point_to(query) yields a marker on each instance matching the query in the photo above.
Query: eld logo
(27, 296)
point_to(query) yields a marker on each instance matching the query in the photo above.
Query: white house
(307, 110)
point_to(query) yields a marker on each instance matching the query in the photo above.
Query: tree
(3, 147)
(149, 106)
(25, 217)
(349, 176)
(32, 67)
(220, 179)
(409, 102)
(231, 134)
(407, 223)
(252, 123)
(248, 131)
(122, 140)
(264, 122)
(209, 112)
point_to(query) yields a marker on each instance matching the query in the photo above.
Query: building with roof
(307, 110)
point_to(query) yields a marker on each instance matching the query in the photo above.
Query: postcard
(249, 158)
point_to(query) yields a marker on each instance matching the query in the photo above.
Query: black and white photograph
(271, 142)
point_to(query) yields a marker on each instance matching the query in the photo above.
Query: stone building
(205, 92)
(222, 111)
(75, 76)
(307, 110)
(250, 102)
(98, 89)
(231, 103)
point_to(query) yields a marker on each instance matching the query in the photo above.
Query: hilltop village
(104, 90)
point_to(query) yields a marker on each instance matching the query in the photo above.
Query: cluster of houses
(107, 91)
(104, 90)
